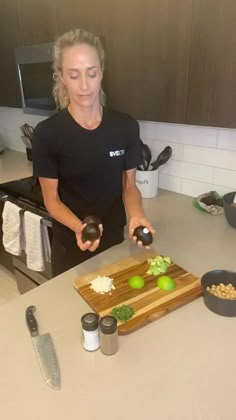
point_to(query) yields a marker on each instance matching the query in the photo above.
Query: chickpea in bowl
(219, 292)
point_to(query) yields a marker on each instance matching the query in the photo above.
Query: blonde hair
(70, 39)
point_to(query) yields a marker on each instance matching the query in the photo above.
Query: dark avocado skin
(91, 232)
(145, 238)
(92, 218)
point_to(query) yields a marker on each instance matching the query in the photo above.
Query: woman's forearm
(133, 201)
(62, 214)
(59, 211)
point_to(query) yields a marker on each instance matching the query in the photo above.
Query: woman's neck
(89, 118)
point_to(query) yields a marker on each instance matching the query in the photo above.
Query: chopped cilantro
(123, 313)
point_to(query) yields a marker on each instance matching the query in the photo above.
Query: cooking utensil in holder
(27, 142)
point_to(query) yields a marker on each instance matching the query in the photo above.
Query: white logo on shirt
(116, 153)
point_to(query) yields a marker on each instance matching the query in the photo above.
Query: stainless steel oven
(27, 279)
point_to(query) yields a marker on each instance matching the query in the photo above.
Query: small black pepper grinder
(108, 335)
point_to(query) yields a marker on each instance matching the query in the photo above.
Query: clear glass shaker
(90, 331)
(108, 335)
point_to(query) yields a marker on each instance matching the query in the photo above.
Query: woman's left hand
(139, 221)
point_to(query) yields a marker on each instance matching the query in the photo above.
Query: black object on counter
(108, 335)
(219, 305)
(229, 208)
(211, 199)
(143, 234)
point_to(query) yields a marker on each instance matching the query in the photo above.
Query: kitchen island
(180, 367)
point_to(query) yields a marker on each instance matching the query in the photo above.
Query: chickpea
(223, 291)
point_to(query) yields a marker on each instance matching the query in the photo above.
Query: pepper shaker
(90, 331)
(108, 335)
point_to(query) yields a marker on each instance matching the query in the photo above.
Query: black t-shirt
(88, 163)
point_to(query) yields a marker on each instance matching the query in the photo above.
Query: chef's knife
(45, 351)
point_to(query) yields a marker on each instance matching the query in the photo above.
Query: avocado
(92, 218)
(91, 232)
(143, 234)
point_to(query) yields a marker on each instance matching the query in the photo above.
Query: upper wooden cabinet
(212, 68)
(147, 52)
(171, 61)
(78, 14)
(147, 45)
(37, 21)
(9, 39)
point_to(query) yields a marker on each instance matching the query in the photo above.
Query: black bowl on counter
(221, 306)
(230, 211)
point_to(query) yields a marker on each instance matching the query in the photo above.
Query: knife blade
(45, 351)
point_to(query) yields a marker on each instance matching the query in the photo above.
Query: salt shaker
(90, 331)
(108, 335)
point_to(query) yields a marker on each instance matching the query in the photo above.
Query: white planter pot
(147, 183)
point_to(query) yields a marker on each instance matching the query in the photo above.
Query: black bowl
(230, 211)
(224, 307)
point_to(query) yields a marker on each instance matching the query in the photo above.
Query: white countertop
(180, 367)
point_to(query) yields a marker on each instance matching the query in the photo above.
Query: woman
(85, 156)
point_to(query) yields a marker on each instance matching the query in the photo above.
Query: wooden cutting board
(149, 303)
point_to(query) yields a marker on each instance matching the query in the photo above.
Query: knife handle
(31, 321)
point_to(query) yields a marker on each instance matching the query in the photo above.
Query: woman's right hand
(88, 245)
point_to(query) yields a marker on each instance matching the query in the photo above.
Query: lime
(165, 283)
(136, 282)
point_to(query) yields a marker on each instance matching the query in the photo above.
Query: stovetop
(25, 188)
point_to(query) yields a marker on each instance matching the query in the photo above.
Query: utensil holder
(147, 183)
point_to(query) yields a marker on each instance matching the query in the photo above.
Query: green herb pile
(123, 313)
(158, 265)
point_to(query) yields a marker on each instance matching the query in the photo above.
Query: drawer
(24, 283)
(36, 276)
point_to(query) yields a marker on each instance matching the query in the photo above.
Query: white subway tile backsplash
(147, 130)
(225, 159)
(33, 119)
(197, 172)
(226, 139)
(225, 178)
(188, 170)
(195, 188)
(200, 155)
(213, 157)
(168, 182)
(11, 139)
(157, 146)
(10, 121)
(13, 118)
(172, 167)
(187, 134)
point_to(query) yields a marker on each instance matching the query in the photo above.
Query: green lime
(136, 282)
(166, 283)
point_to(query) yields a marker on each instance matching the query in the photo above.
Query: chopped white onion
(102, 284)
